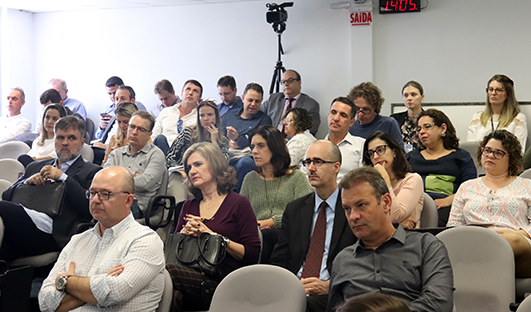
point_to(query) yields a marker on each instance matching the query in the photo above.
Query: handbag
(202, 253)
(47, 198)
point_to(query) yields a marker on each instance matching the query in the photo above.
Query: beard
(66, 154)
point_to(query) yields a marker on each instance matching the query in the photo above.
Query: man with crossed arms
(309, 241)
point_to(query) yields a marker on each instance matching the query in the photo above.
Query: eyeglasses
(288, 81)
(497, 154)
(426, 127)
(380, 150)
(133, 128)
(102, 195)
(316, 161)
(492, 90)
(364, 111)
(179, 126)
(288, 120)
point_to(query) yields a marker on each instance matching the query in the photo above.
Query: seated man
(13, 123)
(166, 94)
(30, 233)
(145, 161)
(239, 127)
(368, 100)
(279, 103)
(171, 121)
(412, 266)
(117, 265)
(70, 103)
(340, 118)
(310, 231)
(227, 90)
(111, 86)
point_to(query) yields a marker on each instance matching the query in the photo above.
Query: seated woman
(43, 147)
(501, 112)
(500, 200)
(214, 209)
(206, 130)
(413, 95)
(381, 150)
(297, 125)
(442, 165)
(273, 185)
(123, 113)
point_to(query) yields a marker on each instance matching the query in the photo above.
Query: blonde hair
(511, 109)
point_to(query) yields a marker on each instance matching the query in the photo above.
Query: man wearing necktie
(279, 103)
(314, 228)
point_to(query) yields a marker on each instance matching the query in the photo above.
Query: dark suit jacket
(274, 106)
(75, 208)
(294, 239)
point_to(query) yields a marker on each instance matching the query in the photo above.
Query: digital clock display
(399, 6)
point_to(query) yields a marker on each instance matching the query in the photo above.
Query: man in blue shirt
(74, 105)
(240, 126)
(227, 92)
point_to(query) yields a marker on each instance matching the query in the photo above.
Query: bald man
(119, 264)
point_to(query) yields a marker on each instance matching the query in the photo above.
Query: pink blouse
(408, 199)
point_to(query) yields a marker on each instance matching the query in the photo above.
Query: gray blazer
(274, 106)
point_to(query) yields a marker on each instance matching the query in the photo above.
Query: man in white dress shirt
(12, 123)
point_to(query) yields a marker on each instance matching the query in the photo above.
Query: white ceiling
(37, 6)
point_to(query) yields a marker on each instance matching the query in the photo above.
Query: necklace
(492, 124)
(267, 193)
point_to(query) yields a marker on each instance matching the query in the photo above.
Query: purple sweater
(234, 219)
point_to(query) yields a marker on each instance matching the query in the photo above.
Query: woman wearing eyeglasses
(442, 165)
(297, 125)
(382, 151)
(273, 185)
(500, 200)
(123, 113)
(501, 112)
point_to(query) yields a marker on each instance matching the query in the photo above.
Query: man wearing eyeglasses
(314, 228)
(145, 161)
(29, 232)
(340, 118)
(117, 265)
(279, 103)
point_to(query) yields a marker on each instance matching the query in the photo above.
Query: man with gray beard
(29, 232)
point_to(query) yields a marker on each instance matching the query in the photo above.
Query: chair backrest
(526, 174)
(10, 169)
(157, 214)
(13, 149)
(167, 293)
(90, 127)
(259, 288)
(472, 148)
(483, 266)
(87, 153)
(4, 185)
(429, 216)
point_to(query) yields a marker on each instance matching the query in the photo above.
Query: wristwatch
(61, 282)
(226, 240)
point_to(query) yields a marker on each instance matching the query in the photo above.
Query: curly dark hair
(371, 93)
(301, 119)
(400, 164)
(280, 158)
(224, 174)
(512, 146)
(450, 141)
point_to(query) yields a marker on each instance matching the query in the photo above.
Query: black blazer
(294, 239)
(75, 208)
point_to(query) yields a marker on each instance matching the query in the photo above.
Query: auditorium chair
(13, 149)
(10, 169)
(429, 217)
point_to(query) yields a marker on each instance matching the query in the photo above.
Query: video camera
(277, 14)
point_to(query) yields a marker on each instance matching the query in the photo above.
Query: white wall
(453, 47)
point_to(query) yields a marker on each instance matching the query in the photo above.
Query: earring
(443, 135)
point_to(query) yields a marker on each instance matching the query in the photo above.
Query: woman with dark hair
(413, 95)
(43, 146)
(215, 209)
(273, 185)
(440, 162)
(206, 130)
(373, 302)
(123, 114)
(501, 112)
(297, 125)
(500, 200)
(382, 151)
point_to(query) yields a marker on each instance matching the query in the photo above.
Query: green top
(270, 197)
